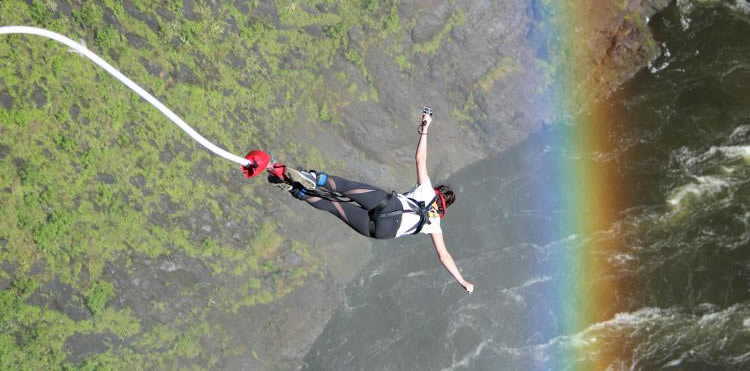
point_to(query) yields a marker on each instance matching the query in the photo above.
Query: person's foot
(306, 179)
(276, 181)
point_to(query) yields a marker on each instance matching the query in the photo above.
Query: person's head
(447, 196)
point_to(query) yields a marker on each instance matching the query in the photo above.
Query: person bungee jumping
(374, 212)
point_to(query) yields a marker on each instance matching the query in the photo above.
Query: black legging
(356, 214)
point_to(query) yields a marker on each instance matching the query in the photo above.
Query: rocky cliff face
(150, 251)
(480, 65)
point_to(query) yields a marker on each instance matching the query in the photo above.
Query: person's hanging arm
(437, 238)
(447, 260)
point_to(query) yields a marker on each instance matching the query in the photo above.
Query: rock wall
(142, 248)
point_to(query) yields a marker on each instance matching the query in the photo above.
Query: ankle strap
(322, 177)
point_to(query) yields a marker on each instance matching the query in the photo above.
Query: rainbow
(583, 295)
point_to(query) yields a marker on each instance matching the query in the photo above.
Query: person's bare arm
(421, 155)
(448, 263)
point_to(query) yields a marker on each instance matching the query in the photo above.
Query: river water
(681, 146)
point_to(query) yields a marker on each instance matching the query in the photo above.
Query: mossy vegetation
(94, 176)
(98, 295)
(430, 47)
(502, 68)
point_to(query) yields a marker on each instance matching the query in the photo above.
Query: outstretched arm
(448, 263)
(421, 155)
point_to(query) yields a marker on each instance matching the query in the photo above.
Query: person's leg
(354, 216)
(366, 195)
(388, 226)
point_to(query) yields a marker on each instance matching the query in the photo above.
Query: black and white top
(421, 192)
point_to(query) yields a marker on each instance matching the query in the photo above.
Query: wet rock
(166, 156)
(21, 170)
(205, 65)
(617, 45)
(202, 224)
(290, 61)
(185, 73)
(63, 9)
(5, 99)
(148, 19)
(313, 11)
(327, 7)
(153, 68)
(74, 111)
(230, 29)
(167, 206)
(234, 60)
(39, 96)
(114, 55)
(110, 19)
(76, 203)
(266, 10)
(356, 34)
(292, 259)
(314, 30)
(188, 10)
(165, 13)
(175, 272)
(431, 23)
(9, 267)
(283, 330)
(81, 346)
(233, 231)
(174, 282)
(139, 181)
(242, 6)
(47, 153)
(4, 150)
(136, 41)
(60, 297)
(106, 178)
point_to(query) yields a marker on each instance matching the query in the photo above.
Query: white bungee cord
(81, 49)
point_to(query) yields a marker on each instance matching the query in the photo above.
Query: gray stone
(137, 41)
(5, 99)
(292, 259)
(106, 178)
(4, 150)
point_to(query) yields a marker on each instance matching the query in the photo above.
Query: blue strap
(322, 177)
(299, 193)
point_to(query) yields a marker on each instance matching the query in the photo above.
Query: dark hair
(447, 192)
